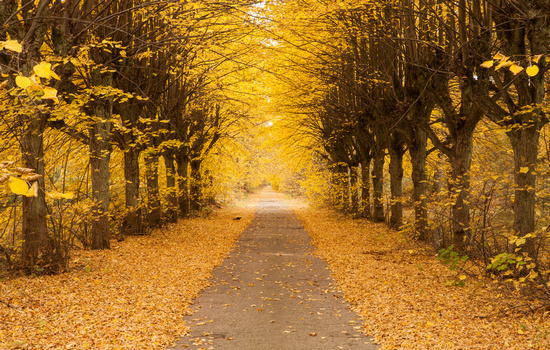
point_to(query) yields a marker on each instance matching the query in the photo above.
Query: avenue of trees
(109, 110)
(428, 115)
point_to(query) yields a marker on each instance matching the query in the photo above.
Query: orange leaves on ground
(133, 296)
(400, 291)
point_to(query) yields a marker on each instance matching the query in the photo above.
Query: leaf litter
(133, 296)
(400, 291)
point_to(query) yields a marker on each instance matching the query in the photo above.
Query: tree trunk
(365, 188)
(397, 149)
(34, 225)
(378, 185)
(525, 146)
(196, 185)
(100, 155)
(353, 180)
(172, 198)
(154, 211)
(183, 183)
(417, 150)
(131, 224)
(461, 159)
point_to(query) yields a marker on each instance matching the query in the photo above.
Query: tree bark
(131, 224)
(154, 212)
(418, 153)
(525, 146)
(100, 155)
(196, 185)
(183, 183)
(172, 198)
(378, 184)
(365, 188)
(353, 180)
(396, 149)
(36, 240)
(461, 159)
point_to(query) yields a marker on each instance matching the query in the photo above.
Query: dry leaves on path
(400, 291)
(132, 296)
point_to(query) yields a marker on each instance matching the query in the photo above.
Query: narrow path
(273, 293)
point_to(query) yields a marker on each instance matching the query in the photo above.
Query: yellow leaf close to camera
(515, 69)
(487, 64)
(13, 45)
(532, 70)
(22, 82)
(524, 170)
(49, 93)
(18, 186)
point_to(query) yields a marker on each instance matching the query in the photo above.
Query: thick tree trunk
(183, 183)
(461, 160)
(525, 146)
(396, 149)
(196, 185)
(365, 188)
(418, 153)
(353, 181)
(172, 198)
(36, 240)
(378, 185)
(154, 212)
(100, 156)
(131, 224)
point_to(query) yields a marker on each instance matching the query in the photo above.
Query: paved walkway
(273, 293)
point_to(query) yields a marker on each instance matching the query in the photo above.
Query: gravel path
(273, 293)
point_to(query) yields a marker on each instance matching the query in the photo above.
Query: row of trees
(113, 87)
(416, 80)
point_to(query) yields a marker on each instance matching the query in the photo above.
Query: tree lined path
(273, 292)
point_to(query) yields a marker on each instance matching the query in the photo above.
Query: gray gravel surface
(272, 292)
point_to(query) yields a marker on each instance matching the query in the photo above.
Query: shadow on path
(273, 293)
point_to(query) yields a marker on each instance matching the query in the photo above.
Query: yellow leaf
(13, 45)
(22, 82)
(536, 58)
(18, 186)
(524, 170)
(49, 93)
(462, 277)
(514, 68)
(487, 64)
(499, 56)
(33, 191)
(503, 64)
(532, 70)
(43, 69)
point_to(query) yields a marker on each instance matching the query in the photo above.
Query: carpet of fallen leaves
(399, 289)
(132, 296)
